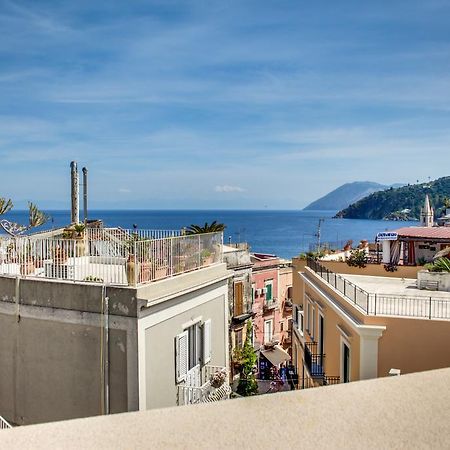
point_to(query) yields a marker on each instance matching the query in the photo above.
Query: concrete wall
(51, 347)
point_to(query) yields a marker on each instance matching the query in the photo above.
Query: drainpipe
(104, 348)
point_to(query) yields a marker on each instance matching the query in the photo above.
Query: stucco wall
(159, 329)
(412, 345)
(332, 338)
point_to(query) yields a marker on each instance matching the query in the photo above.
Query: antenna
(321, 220)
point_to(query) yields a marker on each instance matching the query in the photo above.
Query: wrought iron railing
(314, 360)
(113, 256)
(425, 307)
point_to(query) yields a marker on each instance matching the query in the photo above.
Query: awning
(276, 355)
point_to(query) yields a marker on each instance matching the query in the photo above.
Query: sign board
(387, 236)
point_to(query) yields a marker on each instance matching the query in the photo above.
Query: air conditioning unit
(258, 292)
(264, 290)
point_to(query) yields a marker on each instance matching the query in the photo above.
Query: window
(192, 348)
(268, 330)
(238, 338)
(308, 317)
(300, 320)
(345, 363)
(238, 298)
(268, 286)
(253, 292)
(281, 326)
(194, 345)
(313, 325)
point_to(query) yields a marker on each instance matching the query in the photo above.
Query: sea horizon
(285, 233)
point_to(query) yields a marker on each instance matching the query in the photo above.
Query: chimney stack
(75, 193)
(85, 194)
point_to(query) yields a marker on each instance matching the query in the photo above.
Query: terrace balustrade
(383, 304)
(109, 255)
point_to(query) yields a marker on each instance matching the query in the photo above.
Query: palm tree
(446, 202)
(5, 205)
(213, 227)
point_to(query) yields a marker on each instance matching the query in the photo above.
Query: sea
(282, 233)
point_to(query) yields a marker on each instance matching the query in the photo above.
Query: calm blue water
(284, 233)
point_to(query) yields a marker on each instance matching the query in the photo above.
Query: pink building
(270, 287)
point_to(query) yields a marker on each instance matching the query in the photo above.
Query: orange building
(358, 323)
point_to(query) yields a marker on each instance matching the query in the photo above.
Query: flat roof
(393, 286)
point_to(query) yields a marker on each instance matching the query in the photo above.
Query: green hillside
(403, 203)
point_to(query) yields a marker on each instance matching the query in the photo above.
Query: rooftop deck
(112, 256)
(375, 295)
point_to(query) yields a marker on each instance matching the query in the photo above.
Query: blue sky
(221, 104)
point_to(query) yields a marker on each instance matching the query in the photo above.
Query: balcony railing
(269, 305)
(314, 361)
(4, 425)
(109, 255)
(383, 304)
(329, 380)
(209, 391)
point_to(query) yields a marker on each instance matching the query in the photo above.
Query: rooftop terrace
(408, 411)
(111, 256)
(375, 295)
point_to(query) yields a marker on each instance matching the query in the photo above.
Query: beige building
(359, 323)
(95, 325)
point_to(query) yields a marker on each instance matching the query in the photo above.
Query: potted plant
(207, 257)
(80, 247)
(218, 378)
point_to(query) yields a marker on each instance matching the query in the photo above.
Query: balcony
(214, 387)
(314, 361)
(108, 255)
(269, 305)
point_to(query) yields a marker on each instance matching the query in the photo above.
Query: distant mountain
(402, 203)
(345, 195)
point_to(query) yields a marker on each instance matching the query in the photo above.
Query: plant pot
(80, 246)
(27, 267)
(131, 270)
(145, 271)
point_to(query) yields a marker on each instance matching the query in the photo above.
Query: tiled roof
(425, 232)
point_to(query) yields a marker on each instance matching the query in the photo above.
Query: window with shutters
(238, 298)
(207, 341)
(238, 338)
(268, 285)
(182, 356)
(268, 330)
(193, 348)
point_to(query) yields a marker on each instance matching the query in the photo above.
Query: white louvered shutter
(182, 352)
(207, 341)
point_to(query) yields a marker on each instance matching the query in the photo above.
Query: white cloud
(227, 188)
(124, 191)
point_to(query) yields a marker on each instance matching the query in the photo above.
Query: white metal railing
(420, 305)
(113, 256)
(4, 425)
(207, 392)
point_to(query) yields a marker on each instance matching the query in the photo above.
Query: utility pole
(318, 234)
